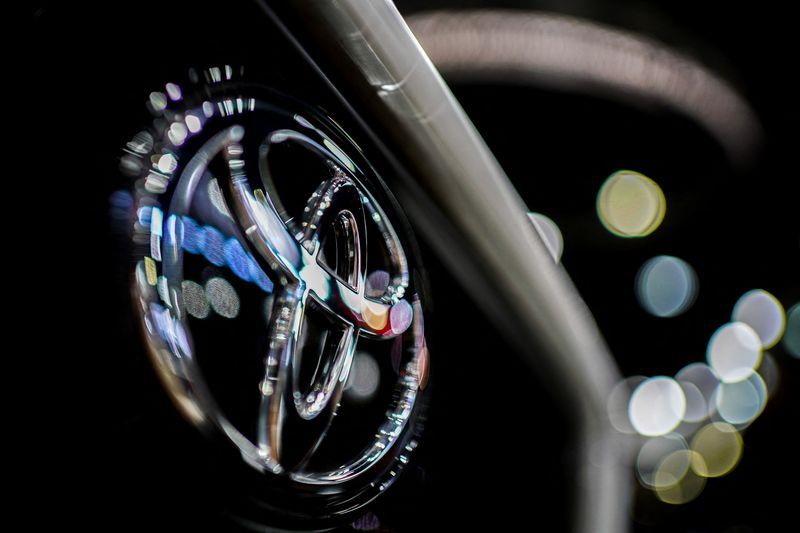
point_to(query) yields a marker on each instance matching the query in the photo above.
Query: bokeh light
(368, 522)
(550, 234)
(630, 204)
(666, 286)
(364, 378)
(791, 340)
(768, 370)
(677, 481)
(167, 163)
(720, 446)
(375, 314)
(696, 403)
(401, 316)
(734, 351)
(193, 123)
(158, 101)
(194, 299)
(222, 297)
(764, 313)
(177, 133)
(653, 452)
(657, 406)
(174, 92)
(705, 380)
(741, 402)
(377, 283)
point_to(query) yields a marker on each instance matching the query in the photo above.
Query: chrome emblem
(327, 275)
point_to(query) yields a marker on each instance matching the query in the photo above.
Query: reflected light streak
(317, 280)
(339, 154)
(217, 200)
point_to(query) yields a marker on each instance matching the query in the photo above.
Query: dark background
(119, 456)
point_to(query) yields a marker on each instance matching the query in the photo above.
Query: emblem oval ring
(337, 257)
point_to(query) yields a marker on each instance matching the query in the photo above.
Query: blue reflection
(212, 244)
(144, 214)
(121, 205)
(194, 236)
(237, 259)
(121, 199)
(260, 278)
(666, 286)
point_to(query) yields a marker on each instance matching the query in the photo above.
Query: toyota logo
(219, 226)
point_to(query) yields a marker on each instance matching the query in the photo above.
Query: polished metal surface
(531, 297)
(214, 203)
